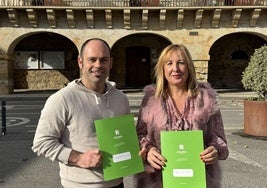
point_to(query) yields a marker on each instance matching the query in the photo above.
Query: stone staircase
(135, 99)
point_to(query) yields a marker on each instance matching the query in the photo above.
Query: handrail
(133, 3)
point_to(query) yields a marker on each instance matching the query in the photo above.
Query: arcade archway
(229, 56)
(134, 59)
(44, 60)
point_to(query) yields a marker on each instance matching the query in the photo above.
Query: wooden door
(137, 66)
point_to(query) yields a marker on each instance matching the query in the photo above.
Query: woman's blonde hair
(161, 82)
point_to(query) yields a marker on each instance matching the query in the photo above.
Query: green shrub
(254, 76)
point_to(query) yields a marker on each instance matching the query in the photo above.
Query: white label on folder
(121, 157)
(182, 172)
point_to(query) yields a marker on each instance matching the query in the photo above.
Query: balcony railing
(133, 3)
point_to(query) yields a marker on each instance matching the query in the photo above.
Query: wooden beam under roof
(13, 16)
(70, 18)
(51, 17)
(32, 17)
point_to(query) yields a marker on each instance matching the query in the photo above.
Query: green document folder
(184, 167)
(118, 142)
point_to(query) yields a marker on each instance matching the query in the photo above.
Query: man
(66, 132)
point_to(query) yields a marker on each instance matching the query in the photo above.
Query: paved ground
(246, 166)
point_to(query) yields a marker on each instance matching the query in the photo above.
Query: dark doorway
(137, 66)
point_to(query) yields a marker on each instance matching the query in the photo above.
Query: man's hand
(89, 159)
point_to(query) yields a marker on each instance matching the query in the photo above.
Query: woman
(178, 102)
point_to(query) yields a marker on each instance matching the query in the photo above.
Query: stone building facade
(40, 40)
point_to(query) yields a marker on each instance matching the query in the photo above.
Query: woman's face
(176, 70)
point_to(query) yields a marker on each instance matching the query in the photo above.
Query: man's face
(95, 63)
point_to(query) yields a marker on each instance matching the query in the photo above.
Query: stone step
(230, 100)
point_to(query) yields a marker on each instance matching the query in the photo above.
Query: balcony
(133, 3)
(132, 14)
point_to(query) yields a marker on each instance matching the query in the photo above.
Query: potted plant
(254, 78)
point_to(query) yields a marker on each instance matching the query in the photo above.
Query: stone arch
(134, 57)
(229, 56)
(41, 77)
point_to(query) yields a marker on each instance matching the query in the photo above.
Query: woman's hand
(143, 153)
(155, 159)
(209, 155)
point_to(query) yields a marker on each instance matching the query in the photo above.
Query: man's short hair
(87, 41)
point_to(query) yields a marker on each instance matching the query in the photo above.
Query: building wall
(155, 32)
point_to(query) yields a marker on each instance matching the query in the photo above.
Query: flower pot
(255, 118)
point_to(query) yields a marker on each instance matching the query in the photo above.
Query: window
(52, 60)
(239, 54)
(39, 60)
(26, 60)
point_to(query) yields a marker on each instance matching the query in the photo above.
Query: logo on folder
(117, 134)
(181, 147)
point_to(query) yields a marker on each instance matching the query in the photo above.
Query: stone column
(201, 67)
(6, 74)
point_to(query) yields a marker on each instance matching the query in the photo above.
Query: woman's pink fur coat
(200, 113)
